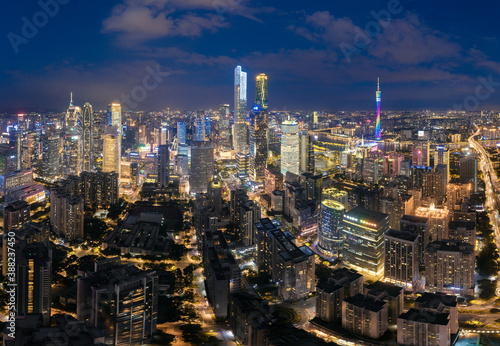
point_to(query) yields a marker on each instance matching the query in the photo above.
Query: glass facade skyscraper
(363, 240)
(181, 132)
(72, 153)
(261, 98)
(329, 240)
(290, 148)
(240, 113)
(87, 137)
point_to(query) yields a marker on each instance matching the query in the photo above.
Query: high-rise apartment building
(363, 240)
(449, 267)
(66, 214)
(290, 148)
(290, 266)
(468, 170)
(15, 215)
(402, 262)
(100, 189)
(329, 239)
(87, 125)
(50, 157)
(365, 315)
(415, 326)
(420, 153)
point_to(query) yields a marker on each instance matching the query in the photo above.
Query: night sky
(429, 56)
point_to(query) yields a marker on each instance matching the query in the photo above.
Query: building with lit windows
(290, 148)
(87, 137)
(402, 262)
(363, 240)
(15, 215)
(420, 153)
(416, 326)
(365, 315)
(258, 144)
(290, 266)
(163, 165)
(33, 276)
(72, 153)
(181, 132)
(112, 156)
(449, 267)
(66, 214)
(261, 96)
(202, 166)
(240, 119)
(120, 300)
(329, 239)
(439, 219)
(335, 194)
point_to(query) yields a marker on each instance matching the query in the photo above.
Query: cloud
(405, 40)
(140, 20)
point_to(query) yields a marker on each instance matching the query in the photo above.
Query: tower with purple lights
(378, 131)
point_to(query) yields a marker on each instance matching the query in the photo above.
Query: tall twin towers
(250, 136)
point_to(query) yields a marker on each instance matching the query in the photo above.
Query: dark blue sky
(429, 56)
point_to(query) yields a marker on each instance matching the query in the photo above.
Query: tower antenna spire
(378, 84)
(71, 102)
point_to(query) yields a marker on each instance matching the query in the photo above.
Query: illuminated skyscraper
(72, 153)
(50, 157)
(224, 128)
(261, 98)
(258, 144)
(111, 156)
(163, 165)
(378, 130)
(329, 240)
(240, 105)
(200, 126)
(181, 132)
(115, 119)
(87, 136)
(290, 148)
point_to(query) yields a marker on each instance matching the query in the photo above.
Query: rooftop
(425, 317)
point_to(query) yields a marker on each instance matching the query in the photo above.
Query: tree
(487, 288)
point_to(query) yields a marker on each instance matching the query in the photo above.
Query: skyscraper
(378, 130)
(224, 127)
(261, 98)
(200, 126)
(181, 132)
(240, 105)
(111, 156)
(258, 144)
(163, 165)
(329, 240)
(115, 119)
(72, 153)
(87, 136)
(50, 155)
(240, 120)
(290, 148)
(202, 166)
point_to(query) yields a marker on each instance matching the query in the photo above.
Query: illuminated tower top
(378, 130)
(261, 91)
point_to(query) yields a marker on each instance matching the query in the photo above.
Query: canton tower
(377, 124)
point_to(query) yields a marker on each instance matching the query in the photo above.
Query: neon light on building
(378, 130)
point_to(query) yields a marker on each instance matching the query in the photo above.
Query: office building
(402, 260)
(163, 165)
(442, 157)
(363, 240)
(50, 157)
(111, 161)
(330, 293)
(313, 184)
(417, 326)
(365, 315)
(181, 132)
(335, 194)
(200, 131)
(240, 112)
(249, 215)
(14, 180)
(329, 239)
(290, 147)
(87, 137)
(72, 141)
(224, 128)
(290, 266)
(202, 166)
(33, 276)
(449, 267)
(306, 153)
(120, 300)
(261, 96)
(274, 181)
(258, 144)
